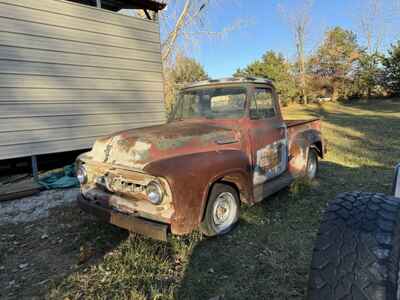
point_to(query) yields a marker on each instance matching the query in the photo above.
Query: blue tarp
(60, 180)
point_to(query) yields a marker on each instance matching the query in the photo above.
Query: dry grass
(267, 256)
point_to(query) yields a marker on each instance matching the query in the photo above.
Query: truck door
(268, 136)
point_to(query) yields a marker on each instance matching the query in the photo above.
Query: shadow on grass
(267, 256)
(372, 137)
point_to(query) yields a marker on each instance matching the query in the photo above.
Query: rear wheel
(357, 251)
(312, 164)
(222, 212)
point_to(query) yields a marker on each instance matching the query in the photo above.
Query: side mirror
(396, 181)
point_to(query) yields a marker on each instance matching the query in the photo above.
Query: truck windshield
(213, 103)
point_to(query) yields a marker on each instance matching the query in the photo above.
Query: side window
(262, 105)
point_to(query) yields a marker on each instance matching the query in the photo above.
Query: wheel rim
(312, 165)
(224, 211)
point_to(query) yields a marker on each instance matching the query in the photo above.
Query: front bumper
(129, 222)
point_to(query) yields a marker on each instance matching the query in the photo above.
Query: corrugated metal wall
(70, 73)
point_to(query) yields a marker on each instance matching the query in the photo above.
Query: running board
(273, 186)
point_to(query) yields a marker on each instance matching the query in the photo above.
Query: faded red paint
(191, 155)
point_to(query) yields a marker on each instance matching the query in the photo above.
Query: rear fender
(299, 146)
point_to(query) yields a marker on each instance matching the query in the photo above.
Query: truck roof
(229, 80)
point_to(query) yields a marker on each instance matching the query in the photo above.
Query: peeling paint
(188, 156)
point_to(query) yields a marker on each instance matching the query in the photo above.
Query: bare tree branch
(299, 21)
(185, 22)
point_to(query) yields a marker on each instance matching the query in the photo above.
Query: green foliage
(391, 65)
(368, 74)
(275, 67)
(185, 70)
(335, 59)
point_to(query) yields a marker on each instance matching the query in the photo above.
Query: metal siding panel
(60, 82)
(45, 135)
(53, 44)
(54, 122)
(86, 13)
(41, 30)
(71, 73)
(54, 57)
(61, 109)
(18, 95)
(14, 151)
(73, 23)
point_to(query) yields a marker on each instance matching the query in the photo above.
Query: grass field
(267, 256)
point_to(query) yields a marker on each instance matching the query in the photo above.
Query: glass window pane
(263, 104)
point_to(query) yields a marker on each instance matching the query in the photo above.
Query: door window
(262, 105)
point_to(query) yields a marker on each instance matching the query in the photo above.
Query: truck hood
(138, 147)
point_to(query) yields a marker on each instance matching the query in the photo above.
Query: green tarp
(65, 178)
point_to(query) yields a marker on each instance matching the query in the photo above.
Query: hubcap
(224, 211)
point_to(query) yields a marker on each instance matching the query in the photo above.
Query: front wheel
(357, 251)
(222, 212)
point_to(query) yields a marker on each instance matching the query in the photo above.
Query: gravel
(36, 207)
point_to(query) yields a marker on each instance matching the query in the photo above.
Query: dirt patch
(36, 255)
(41, 242)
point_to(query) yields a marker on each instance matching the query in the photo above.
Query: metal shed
(70, 73)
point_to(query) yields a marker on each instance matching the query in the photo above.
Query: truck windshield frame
(226, 102)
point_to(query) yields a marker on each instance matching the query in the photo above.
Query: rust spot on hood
(138, 147)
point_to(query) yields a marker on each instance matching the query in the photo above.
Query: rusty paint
(187, 157)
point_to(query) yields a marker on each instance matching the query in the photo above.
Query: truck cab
(226, 143)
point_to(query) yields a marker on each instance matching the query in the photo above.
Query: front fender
(190, 178)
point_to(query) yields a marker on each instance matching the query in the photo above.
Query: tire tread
(356, 254)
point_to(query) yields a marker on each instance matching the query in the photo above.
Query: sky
(265, 28)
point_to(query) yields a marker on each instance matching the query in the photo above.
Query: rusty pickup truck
(225, 144)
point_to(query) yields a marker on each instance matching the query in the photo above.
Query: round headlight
(81, 174)
(154, 192)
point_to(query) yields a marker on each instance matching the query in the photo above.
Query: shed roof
(116, 5)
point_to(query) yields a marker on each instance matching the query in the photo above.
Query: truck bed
(292, 123)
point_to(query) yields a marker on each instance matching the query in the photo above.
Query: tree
(371, 20)
(391, 65)
(299, 21)
(275, 67)
(335, 60)
(368, 73)
(185, 70)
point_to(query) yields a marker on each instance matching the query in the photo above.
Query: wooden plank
(73, 23)
(86, 13)
(19, 190)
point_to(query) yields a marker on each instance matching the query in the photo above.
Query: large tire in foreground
(357, 250)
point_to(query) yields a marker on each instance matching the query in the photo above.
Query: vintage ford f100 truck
(225, 144)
